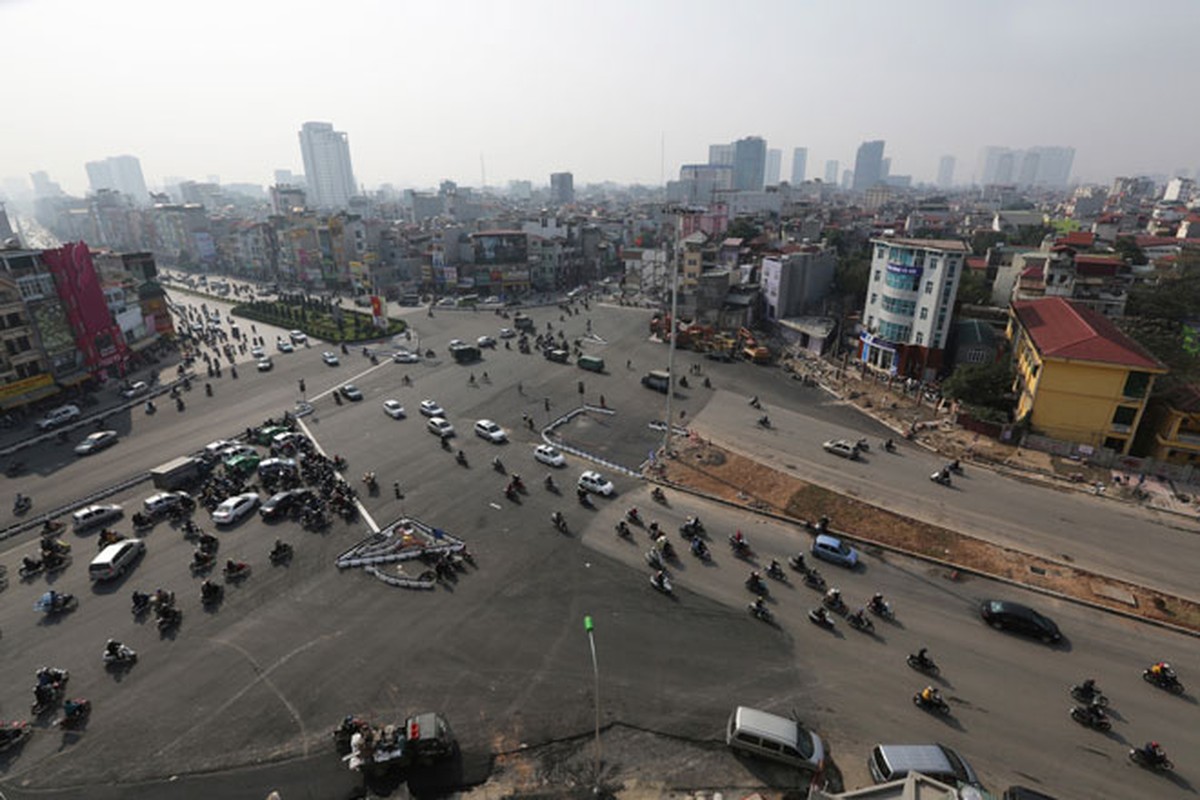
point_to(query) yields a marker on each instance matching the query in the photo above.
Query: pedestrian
(628, 364)
(396, 489)
(520, 387)
(602, 403)
(546, 402)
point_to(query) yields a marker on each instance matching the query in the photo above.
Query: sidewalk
(937, 431)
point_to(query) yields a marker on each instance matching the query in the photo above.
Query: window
(929, 287)
(937, 341)
(920, 337)
(1123, 417)
(933, 262)
(896, 280)
(924, 312)
(950, 270)
(874, 297)
(880, 251)
(896, 306)
(1136, 384)
(877, 276)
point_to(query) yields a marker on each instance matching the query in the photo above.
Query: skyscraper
(749, 164)
(799, 165)
(327, 169)
(720, 154)
(868, 165)
(562, 188)
(121, 174)
(945, 176)
(774, 166)
(831, 172)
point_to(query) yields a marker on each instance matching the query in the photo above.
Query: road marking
(494, 505)
(358, 503)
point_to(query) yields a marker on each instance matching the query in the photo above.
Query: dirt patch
(745, 482)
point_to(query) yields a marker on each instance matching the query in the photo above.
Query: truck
(178, 473)
(465, 353)
(658, 379)
(523, 322)
(424, 738)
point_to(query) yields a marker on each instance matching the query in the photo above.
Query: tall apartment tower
(868, 165)
(562, 188)
(831, 171)
(749, 164)
(327, 169)
(910, 302)
(945, 175)
(119, 173)
(774, 166)
(799, 165)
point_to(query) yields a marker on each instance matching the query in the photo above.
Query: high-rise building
(945, 175)
(774, 166)
(749, 164)
(43, 186)
(720, 154)
(799, 165)
(285, 177)
(868, 165)
(1048, 167)
(120, 174)
(831, 172)
(1053, 166)
(327, 169)
(562, 188)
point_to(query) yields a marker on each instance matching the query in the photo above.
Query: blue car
(835, 551)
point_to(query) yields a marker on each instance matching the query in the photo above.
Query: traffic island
(383, 555)
(708, 469)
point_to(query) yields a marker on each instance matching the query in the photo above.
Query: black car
(280, 503)
(1006, 615)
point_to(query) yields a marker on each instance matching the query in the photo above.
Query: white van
(114, 560)
(892, 762)
(773, 737)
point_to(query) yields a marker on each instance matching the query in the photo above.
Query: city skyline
(211, 116)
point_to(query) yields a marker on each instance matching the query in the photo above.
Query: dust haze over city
(620, 91)
(850, 351)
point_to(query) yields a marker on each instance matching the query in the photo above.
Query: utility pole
(590, 628)
(671, 344)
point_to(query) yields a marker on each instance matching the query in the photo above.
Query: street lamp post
(590, 628)
(671, 348)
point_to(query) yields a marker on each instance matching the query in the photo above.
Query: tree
(1031, 236)
(852, 275)
(974, 289)
(982, 385)
(1157, 317)
(1128, 249)
(982, 240)
(743, 228)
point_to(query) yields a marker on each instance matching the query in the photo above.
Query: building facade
(868, 165)
(799, 165)
(327, 168)
(910, 302)
(749, 164)
(562, 188)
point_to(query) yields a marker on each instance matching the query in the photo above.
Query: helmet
(1165, 665)
(1154, 745)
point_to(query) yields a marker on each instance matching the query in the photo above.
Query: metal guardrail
(570, 415)
(30, 523)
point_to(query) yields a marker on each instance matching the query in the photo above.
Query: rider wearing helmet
(930, 695)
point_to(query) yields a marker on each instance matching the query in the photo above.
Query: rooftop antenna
(482, 173)
(662, 159)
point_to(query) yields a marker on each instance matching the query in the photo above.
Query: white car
(163, 502)
(840, 447)
(456, 343)
(236, 449)
(485, 341)
(405, 357)
(440, 426)
(214, 449)
(330, 358)
(432, 409)
(257, 351)
(95, 442)
(284, 346)
(486, 429)
(393, 409)
(593, 481)
(235, 508)
(549, 455)
(135, 388)
(59, 416)
(507, 333)
(265, 364)
(298, 337)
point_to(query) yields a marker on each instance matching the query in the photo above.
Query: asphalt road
(502, 651)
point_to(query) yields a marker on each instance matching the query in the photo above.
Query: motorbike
(756, 584)
(837, 606)
(889, 446)
(633, 516)
(1095, 697)
(936, 706)
(754, 403)
(559, 521)
(76, 711)
(55, 603)
(235, 570)
(659, 495)
(860, 622)
(124, 655)
(955, 467)
(862, 445)
(140, 603)
(663, 585)
(1167, 681)
(740, 547)
(14, 733)
(207, 543)
(623, 529)
(1091, 717)
(211, 593)
(45, 696)
(202, 561)
(941, 476)
(760, 611)
(498, 465)
(920, 664)
(813, 579)
(700, 549)
(56, 546)
(776, 571)
(169, 617)
(280, 553)
(764, 421)
(21, 505)
(882, 609)
(550, 485)
(53, 675)
(141, 521)
(461, 458)
(817, 616)
(655, 559)
(691, 528)
(1139, 756)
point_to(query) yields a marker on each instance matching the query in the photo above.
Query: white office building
(910, 302)
(327, 169)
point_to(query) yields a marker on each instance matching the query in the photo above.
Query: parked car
(298, 337)
(835, 551)
(257, 351)
(840, 447)
(280, 503)
(486, 429)
(59, 416)
(96, 442)
(284, 346)
(234, 508)
(593, 481)
(549, 455)
(1010, 616)
(277, 467)
(393, 409)
(507, 333)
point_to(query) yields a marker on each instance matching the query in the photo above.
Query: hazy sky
(424, 89)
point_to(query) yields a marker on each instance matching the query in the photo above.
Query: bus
(657, 379)
(593, 363)
(465, 353)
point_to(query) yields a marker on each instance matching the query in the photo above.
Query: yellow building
(1079, 378)
(1177, 427)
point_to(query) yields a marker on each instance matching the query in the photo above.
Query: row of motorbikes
(47, 693)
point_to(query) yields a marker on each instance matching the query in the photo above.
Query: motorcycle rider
(75, 708)
(31, 564)
(858, 617)
(798, 562)
(760, 607)
(660, 579)
(754, 402)
(1162, 672)
(209, 590)
(622, 528)
(657, 493)
(821, 615)
(549, 481)
(1155, 755)
(833, 597)
(44, 694)
(755, 580)
(878, 604)
(739, 541)
(278, 549)
(774, 569)
(698, 547)
(1088, 690)
(889, 445)
(462, 457)
(1094, 711)
(112, 648)
(923, 658)
(140, 599)
(557, 519)
(930, 696)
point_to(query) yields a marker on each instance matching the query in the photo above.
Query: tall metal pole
(590, 627)
(666, 447)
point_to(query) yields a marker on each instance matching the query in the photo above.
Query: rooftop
(949, 245)
(1061, 329)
